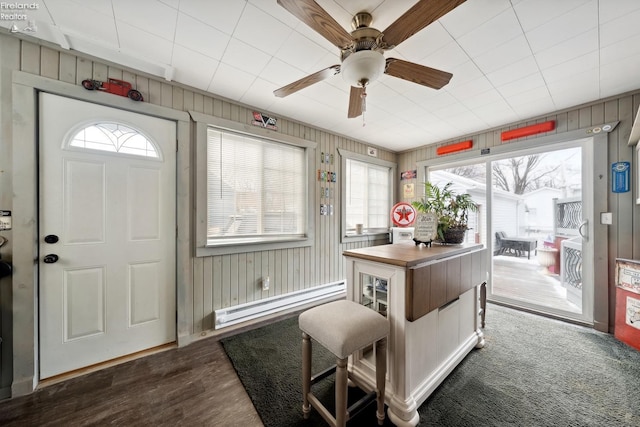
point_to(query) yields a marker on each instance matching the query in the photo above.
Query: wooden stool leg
(306, 374)
(381, 371)
(341, 392)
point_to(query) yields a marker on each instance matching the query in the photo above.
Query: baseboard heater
(254, 309)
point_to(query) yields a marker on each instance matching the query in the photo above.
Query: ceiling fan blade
(307, 81)
(309, 12)
(417, 73)
(418, 17)
(355, 102)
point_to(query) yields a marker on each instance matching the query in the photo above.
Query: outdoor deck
(521, 279)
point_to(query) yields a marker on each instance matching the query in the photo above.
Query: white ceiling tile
(447, 58)
(628, 47)
(274, 10)
(138, 42)
(432, 100)
(495, 112)
(513, 71)
(171, 3)
(568, 68)
(531, 82)
(193, 68)
(419, 116)
(478, 101)
(619, 77)
(504, 55)
(469, 89)
(101, 6)
(291, 49)
(464, 73)
(491, 34)
(244, 57)
(327, 95)
(260, 95)
(585, 50)
(70, 17)
(611, 10)
(230, 82)
(261, 30)
(220, 14)
(535, 13)
(568, 49)
(570, 98)
(471, 15)
(535, 108)
(317, 38)
(280, 73)
(195, 35)
(449, 111)
(467, 122)
(42, 15)
(425, 42)
(145, 14)
(538, 94)
(569, 25)
(619, 29)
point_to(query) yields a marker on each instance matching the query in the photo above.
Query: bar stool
(343, 327)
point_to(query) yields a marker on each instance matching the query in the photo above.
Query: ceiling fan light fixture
(364, 65)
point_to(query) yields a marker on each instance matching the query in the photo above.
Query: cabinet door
(448, 329)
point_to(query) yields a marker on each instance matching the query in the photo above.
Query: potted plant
(451, 209)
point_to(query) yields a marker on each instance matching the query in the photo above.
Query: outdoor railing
(567, 216)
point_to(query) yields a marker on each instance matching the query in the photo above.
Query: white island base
(431, 298)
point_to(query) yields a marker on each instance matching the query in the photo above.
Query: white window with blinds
(367, 194)
(256, 189)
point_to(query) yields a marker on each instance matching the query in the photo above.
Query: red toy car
(118, 87)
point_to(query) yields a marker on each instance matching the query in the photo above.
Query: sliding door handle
(585, 234)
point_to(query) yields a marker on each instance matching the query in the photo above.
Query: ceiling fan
(362, 50)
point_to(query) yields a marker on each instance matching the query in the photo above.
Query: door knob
(50, 259)
(5, 269)
(51, 238)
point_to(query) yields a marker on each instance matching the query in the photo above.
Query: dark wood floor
(194, 385)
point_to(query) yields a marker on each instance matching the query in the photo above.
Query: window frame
(365, 236)
(202, 245)
(73, 132)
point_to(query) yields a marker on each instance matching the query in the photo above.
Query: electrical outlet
(265, 284)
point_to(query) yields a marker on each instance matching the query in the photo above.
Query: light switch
(606, 218)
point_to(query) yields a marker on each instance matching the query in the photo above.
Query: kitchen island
(431, 297)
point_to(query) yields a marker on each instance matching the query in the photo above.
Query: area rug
(533, 371)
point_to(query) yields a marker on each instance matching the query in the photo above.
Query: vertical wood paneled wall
(225, 280)
(624, 235)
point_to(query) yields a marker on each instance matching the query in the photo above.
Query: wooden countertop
(408, 254)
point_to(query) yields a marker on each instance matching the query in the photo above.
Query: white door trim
(24, 90)
(600, 192)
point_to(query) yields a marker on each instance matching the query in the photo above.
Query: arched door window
(114, 138)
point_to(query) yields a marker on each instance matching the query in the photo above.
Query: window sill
(256, 246)
(353, 237)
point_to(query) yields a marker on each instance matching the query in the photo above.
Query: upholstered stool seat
(343, 327)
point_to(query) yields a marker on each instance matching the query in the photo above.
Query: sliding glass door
(533, 218)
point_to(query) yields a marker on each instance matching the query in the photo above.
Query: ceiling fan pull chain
(364, 104)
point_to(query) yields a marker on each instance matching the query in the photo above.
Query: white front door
(107, 233)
